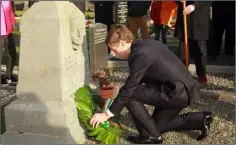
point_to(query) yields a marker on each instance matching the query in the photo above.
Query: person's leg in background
(31, 3)
(11, 57)
(164, 31)
(7, 78)
(1, 50)
(199, 52)
(133, 26)
(210, 47)
(157, 30)
(218, 24)
(142, 22)
(230, 35)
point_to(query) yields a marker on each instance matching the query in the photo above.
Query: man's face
(122, 49)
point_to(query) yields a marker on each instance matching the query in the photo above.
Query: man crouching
(157, 78)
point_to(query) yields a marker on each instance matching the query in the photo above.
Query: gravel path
(216, 81)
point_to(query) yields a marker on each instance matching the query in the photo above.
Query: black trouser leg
(230, 35)
(1, 50)
(157, 29)
(199, 52)
(218, 30)
(144, 123)
(169, 120)
(210, 48)
(11, 55)
(164, 31)
(164, 118)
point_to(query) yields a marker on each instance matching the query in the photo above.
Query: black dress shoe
(206, 125)
(145, 139)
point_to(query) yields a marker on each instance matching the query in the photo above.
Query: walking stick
(185, 38)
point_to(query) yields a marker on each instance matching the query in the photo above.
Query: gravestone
(98, 50)
(53, 64)
(121, 11)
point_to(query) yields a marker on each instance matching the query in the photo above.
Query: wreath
(87, 104)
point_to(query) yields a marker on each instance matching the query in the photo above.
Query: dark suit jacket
(198, 22)
(152, 62)
(138, 8)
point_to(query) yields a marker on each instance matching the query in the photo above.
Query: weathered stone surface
(53, 64)
(30, 139)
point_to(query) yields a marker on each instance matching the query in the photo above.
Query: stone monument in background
(121, 11)
(53, 64)
(98, 50)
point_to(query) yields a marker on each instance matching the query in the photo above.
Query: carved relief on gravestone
(97, 47)
(121, 11)
(76, 31)
(79, 59)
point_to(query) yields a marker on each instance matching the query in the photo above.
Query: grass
(90, 14)
(19, 13)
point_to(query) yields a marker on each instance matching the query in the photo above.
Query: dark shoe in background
(14, 78)
(202, 79)
(5, 80)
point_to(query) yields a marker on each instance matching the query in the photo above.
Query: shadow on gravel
(224, 111)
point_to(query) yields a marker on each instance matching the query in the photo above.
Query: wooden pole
(186, 50)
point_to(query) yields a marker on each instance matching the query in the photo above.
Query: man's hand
(98, 118)
(189, 9)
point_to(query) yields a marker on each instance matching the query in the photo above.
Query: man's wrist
(109, 114)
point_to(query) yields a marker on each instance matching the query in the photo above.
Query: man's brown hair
(118, 32)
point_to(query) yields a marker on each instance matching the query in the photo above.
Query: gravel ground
(223, 127)
(216, 81)
(6, 94)
(222, 130)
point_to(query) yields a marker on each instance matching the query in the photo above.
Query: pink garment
(7, 18)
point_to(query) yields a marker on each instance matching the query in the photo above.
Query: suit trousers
(8, 43)
(165, 116)
(198, 51)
